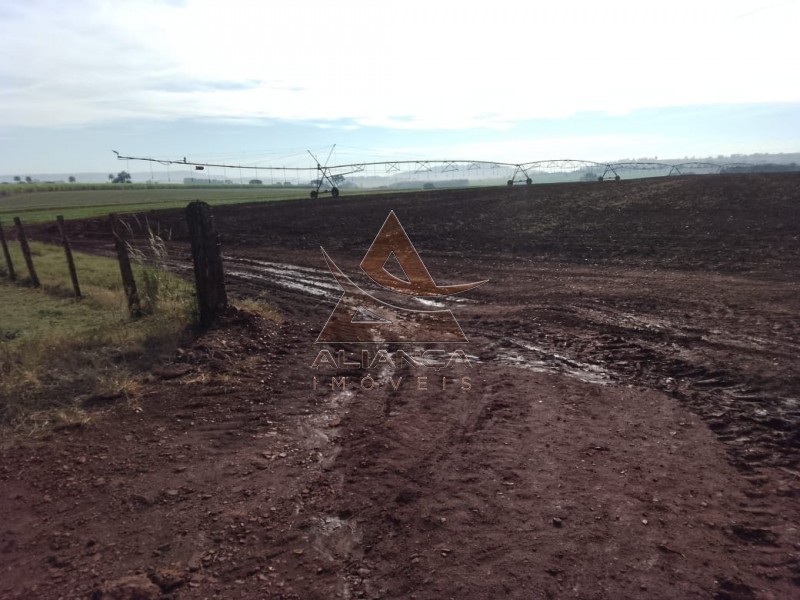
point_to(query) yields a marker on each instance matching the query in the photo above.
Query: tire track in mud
(495, 472)
(604, 345)
(633, 362)
(270, 457)
(751, 414)
(757, 425)
(743, 412)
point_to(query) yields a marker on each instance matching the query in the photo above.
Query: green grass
(57, 351)
(102, 274)
(30, 314)
(33, 204)
(99, 278)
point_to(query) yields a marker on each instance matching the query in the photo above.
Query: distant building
(201, 181)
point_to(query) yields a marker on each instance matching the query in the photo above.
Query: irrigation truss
(323, 178)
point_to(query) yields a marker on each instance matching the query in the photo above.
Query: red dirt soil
(631, 430)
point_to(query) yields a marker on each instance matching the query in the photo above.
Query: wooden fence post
(26, 252)
(73, 274)
(207, 256)
(128, 282)
(10, 265)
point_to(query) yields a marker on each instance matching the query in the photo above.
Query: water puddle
(316, 282)
(430, 303)
(539, 360)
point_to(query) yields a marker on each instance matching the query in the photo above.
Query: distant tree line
(765, 168)
(29, 179)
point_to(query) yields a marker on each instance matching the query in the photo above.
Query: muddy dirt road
(630, 428)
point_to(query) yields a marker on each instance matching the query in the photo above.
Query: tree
(256, 182)
(122, 177)
(17, 178)
(71, 179)
(28, 179)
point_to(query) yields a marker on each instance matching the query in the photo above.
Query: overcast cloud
(418, 66)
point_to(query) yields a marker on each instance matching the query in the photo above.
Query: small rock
(132, 587)
(168, 578)
(644, 521)
(557, 522)
(141, 499)
(58, 563)
(173, 371)
(195, 561)
(172, 493)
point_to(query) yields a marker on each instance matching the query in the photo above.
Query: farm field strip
(42, 206)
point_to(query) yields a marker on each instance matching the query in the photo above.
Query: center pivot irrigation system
(323, 178)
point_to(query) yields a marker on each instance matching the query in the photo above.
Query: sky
(256, 82)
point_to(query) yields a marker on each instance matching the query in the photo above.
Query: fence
(209, 275)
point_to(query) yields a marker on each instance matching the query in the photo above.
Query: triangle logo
(360, 317)
(393, 267)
